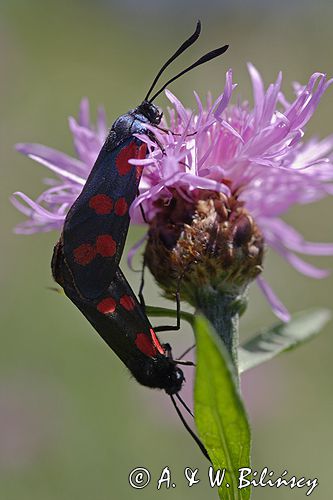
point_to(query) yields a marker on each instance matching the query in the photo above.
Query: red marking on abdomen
(145, 345)
(107, 306)
(101, 203)
(124, 155)
(105, 245)
(127, 302)
(121, 206)
(156, 342)
(84, 254)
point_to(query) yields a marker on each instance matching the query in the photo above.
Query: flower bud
(210, 241)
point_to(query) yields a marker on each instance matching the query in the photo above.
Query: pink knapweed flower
(253, 153)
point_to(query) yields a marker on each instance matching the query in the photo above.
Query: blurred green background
(72, 421)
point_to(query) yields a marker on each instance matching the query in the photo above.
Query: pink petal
(226, 96)
(278, 308)
(60, 171)
(84, 113)
(300, 265)
(52, 156)
(36, 207)
(133, 250)
(278, 230)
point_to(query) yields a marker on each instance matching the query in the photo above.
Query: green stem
(223, 311)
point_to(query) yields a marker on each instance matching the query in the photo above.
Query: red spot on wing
(84, 254)
(121, 206)
(145, 345)
(127, 153)
(141, 155)
(107, 306)
(156, 342)
(105, 245)
(127, 302)
(101, 203)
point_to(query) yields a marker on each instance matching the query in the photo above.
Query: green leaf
(282, 337)
(219, 411)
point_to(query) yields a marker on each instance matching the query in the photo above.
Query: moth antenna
(184, 404)
(190, 41)
(189, 430)
(207, 57)
(187, 351)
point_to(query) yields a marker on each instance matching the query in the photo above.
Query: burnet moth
(86, 259)
(96, 225)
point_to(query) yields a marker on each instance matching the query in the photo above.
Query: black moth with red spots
(120, 320)
(96, 226)
(86, 259)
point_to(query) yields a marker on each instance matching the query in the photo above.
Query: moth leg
(181, 361)
(142, 284)
(168, 354)
(141, 210)
(167, 131)
(178, 310)
(160, 146)
(184, 362)
(172, 327)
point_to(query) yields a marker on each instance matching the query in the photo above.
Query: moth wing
(96, 226)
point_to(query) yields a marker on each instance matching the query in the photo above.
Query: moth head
(150, 111)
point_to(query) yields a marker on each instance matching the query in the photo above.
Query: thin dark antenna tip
(205, 58)
(184, 404)
(188, 42)
(189, 430)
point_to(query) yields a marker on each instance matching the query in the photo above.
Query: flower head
(243, 165)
